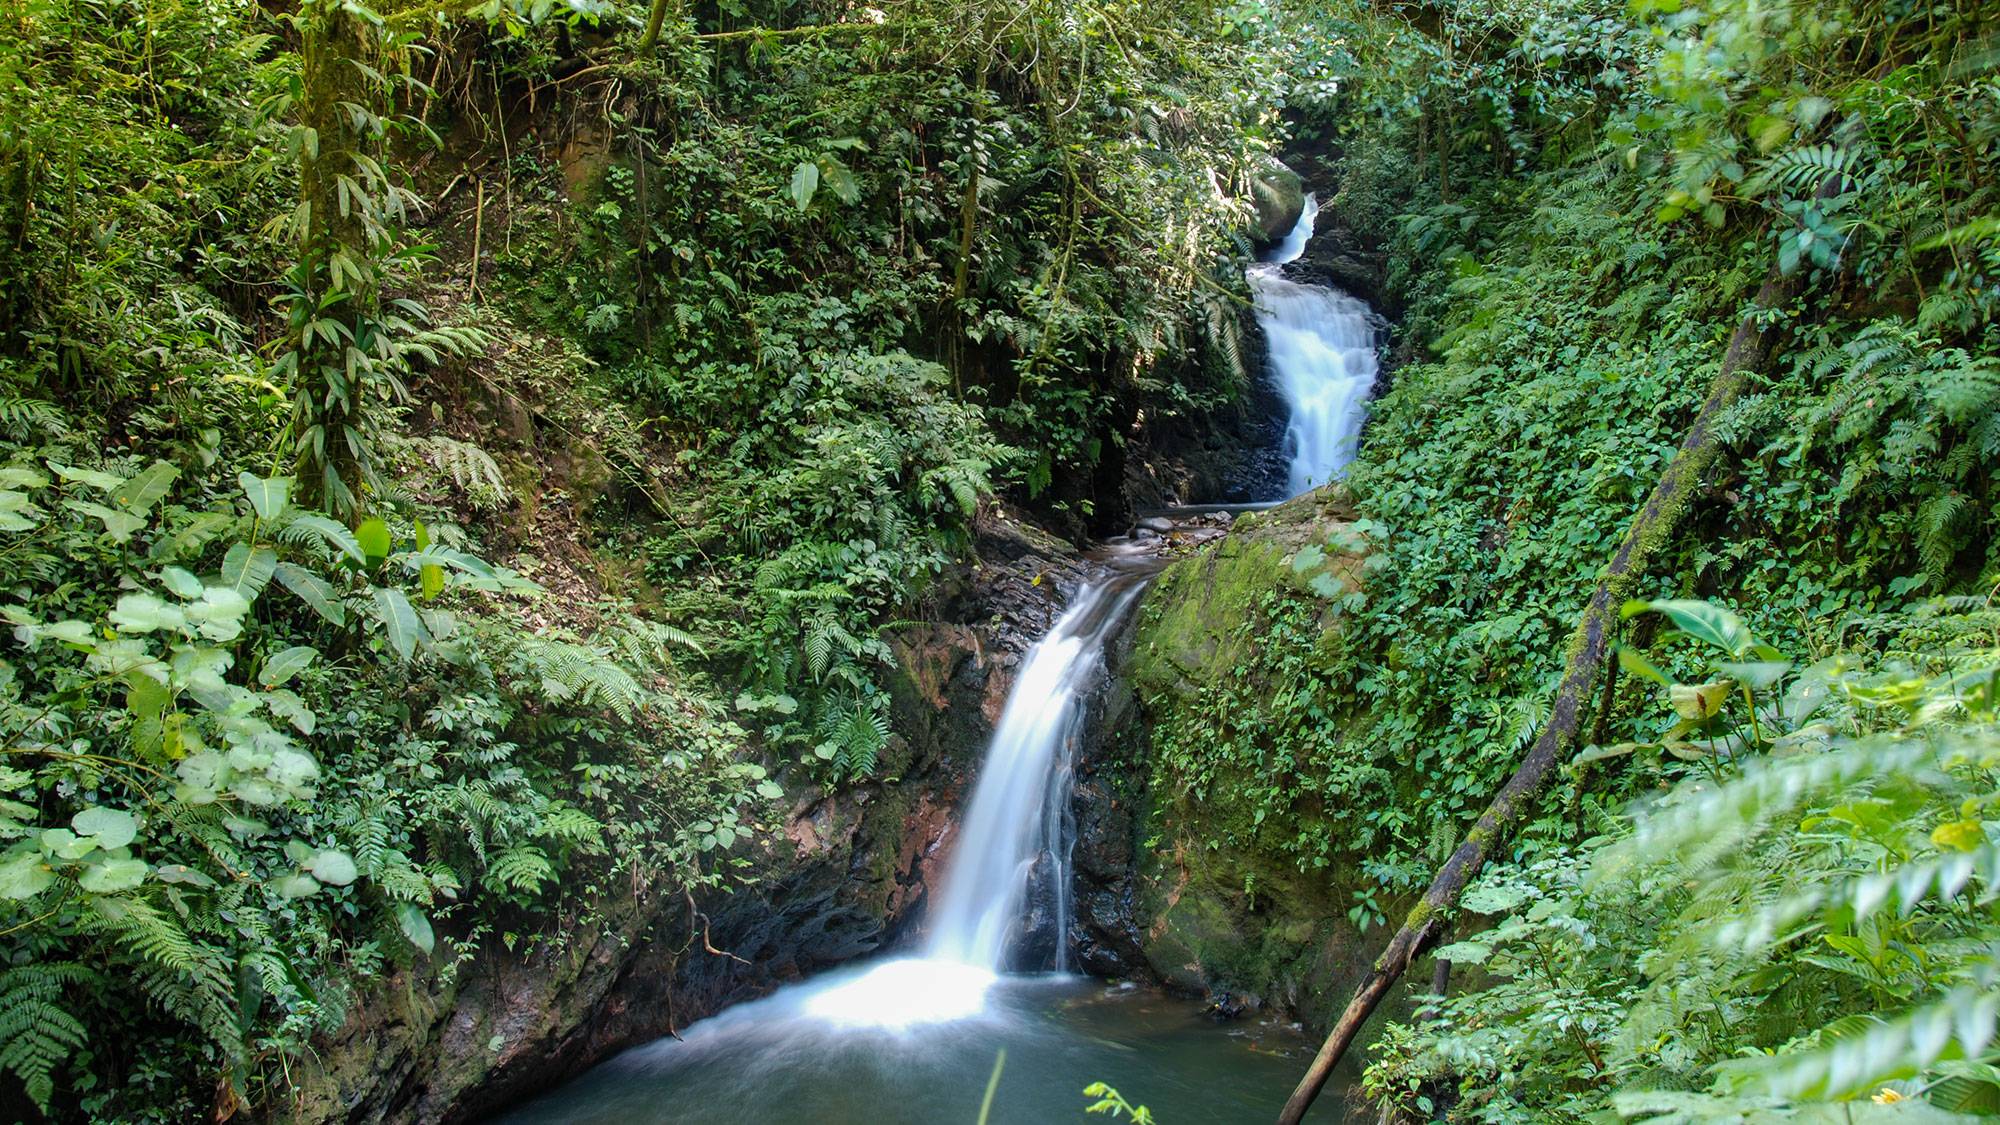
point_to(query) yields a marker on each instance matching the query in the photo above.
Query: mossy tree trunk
(1750, 347)
(335, 282)
(655, 20)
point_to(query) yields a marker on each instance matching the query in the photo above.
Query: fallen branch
(1750, 346)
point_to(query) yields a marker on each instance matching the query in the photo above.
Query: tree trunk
(329, 396)
(1749, 347)
(655, 19)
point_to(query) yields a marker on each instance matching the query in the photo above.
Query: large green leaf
(284, 665)
(24, 874)
(399, 620)
(1635, 663)
(182, 582)
(333, 535)
(268, 495)
(1754, 674)
(373, 536)
(219, 614)
(247, 570)
(805, 182)
(840, 180)
(1710, 624)
(114, 828)
(145, 613)
(151, 486)
(187, 536)
(103, 482)
(313, 590)
(120, 526)
(410, 918)
(333, 867)
(113, 875)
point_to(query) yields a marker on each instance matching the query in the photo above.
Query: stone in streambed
(1279, 198)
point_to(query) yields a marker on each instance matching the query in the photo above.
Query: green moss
(1228, 898)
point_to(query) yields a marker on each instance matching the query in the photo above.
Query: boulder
(1279, 196)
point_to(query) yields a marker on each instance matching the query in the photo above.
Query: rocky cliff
(1186, 891)
(848, 875)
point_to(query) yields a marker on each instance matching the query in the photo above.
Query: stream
(917, 1038)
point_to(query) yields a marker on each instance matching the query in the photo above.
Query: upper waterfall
(1322, 351)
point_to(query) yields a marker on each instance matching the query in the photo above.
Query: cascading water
(1014, 822)
(912, 1038)
(1016, 816)
(1323, 358)
(915, 1038)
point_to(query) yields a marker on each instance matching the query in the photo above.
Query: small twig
(705, 942)
(478, 226)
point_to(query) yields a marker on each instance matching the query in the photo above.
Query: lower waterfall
(917, 1038)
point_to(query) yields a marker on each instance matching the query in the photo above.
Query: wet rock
(1236, 923)
(1223, 1004)
(1160, 524)
(1279, 198)
(1034, 944)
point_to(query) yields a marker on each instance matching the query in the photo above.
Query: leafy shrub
(1806, 914)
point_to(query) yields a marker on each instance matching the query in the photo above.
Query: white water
(1014, 821)
(1322, 356)
(1016, 813)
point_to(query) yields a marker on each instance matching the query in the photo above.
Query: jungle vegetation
(455, 459)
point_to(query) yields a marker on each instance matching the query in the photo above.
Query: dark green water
(795, 1057)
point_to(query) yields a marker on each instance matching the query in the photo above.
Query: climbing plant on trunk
(349, 344)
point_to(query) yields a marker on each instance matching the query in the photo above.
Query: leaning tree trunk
(1749, 347)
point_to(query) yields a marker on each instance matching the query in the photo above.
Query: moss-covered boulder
(1221, 901)
(1279, 197)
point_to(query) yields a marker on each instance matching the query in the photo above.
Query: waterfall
(1016, 820)
(1322, 350)
(1017, 814)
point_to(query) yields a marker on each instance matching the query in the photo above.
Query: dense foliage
(455, 461)
(1808, 914)
(787, 295)
(1603, 190)
(856, 281)
(1565, 309)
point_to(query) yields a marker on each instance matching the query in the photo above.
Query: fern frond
(38, 1033)
(25, 418)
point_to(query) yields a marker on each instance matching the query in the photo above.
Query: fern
(1943, 525)
(38, 1030)
(522, 868)
(1800, 171)
(568, 672)
(469, 468)
(24, 419)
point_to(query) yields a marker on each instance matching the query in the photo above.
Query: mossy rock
(1195, 625)
(1221, 904)
(1279, 197)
